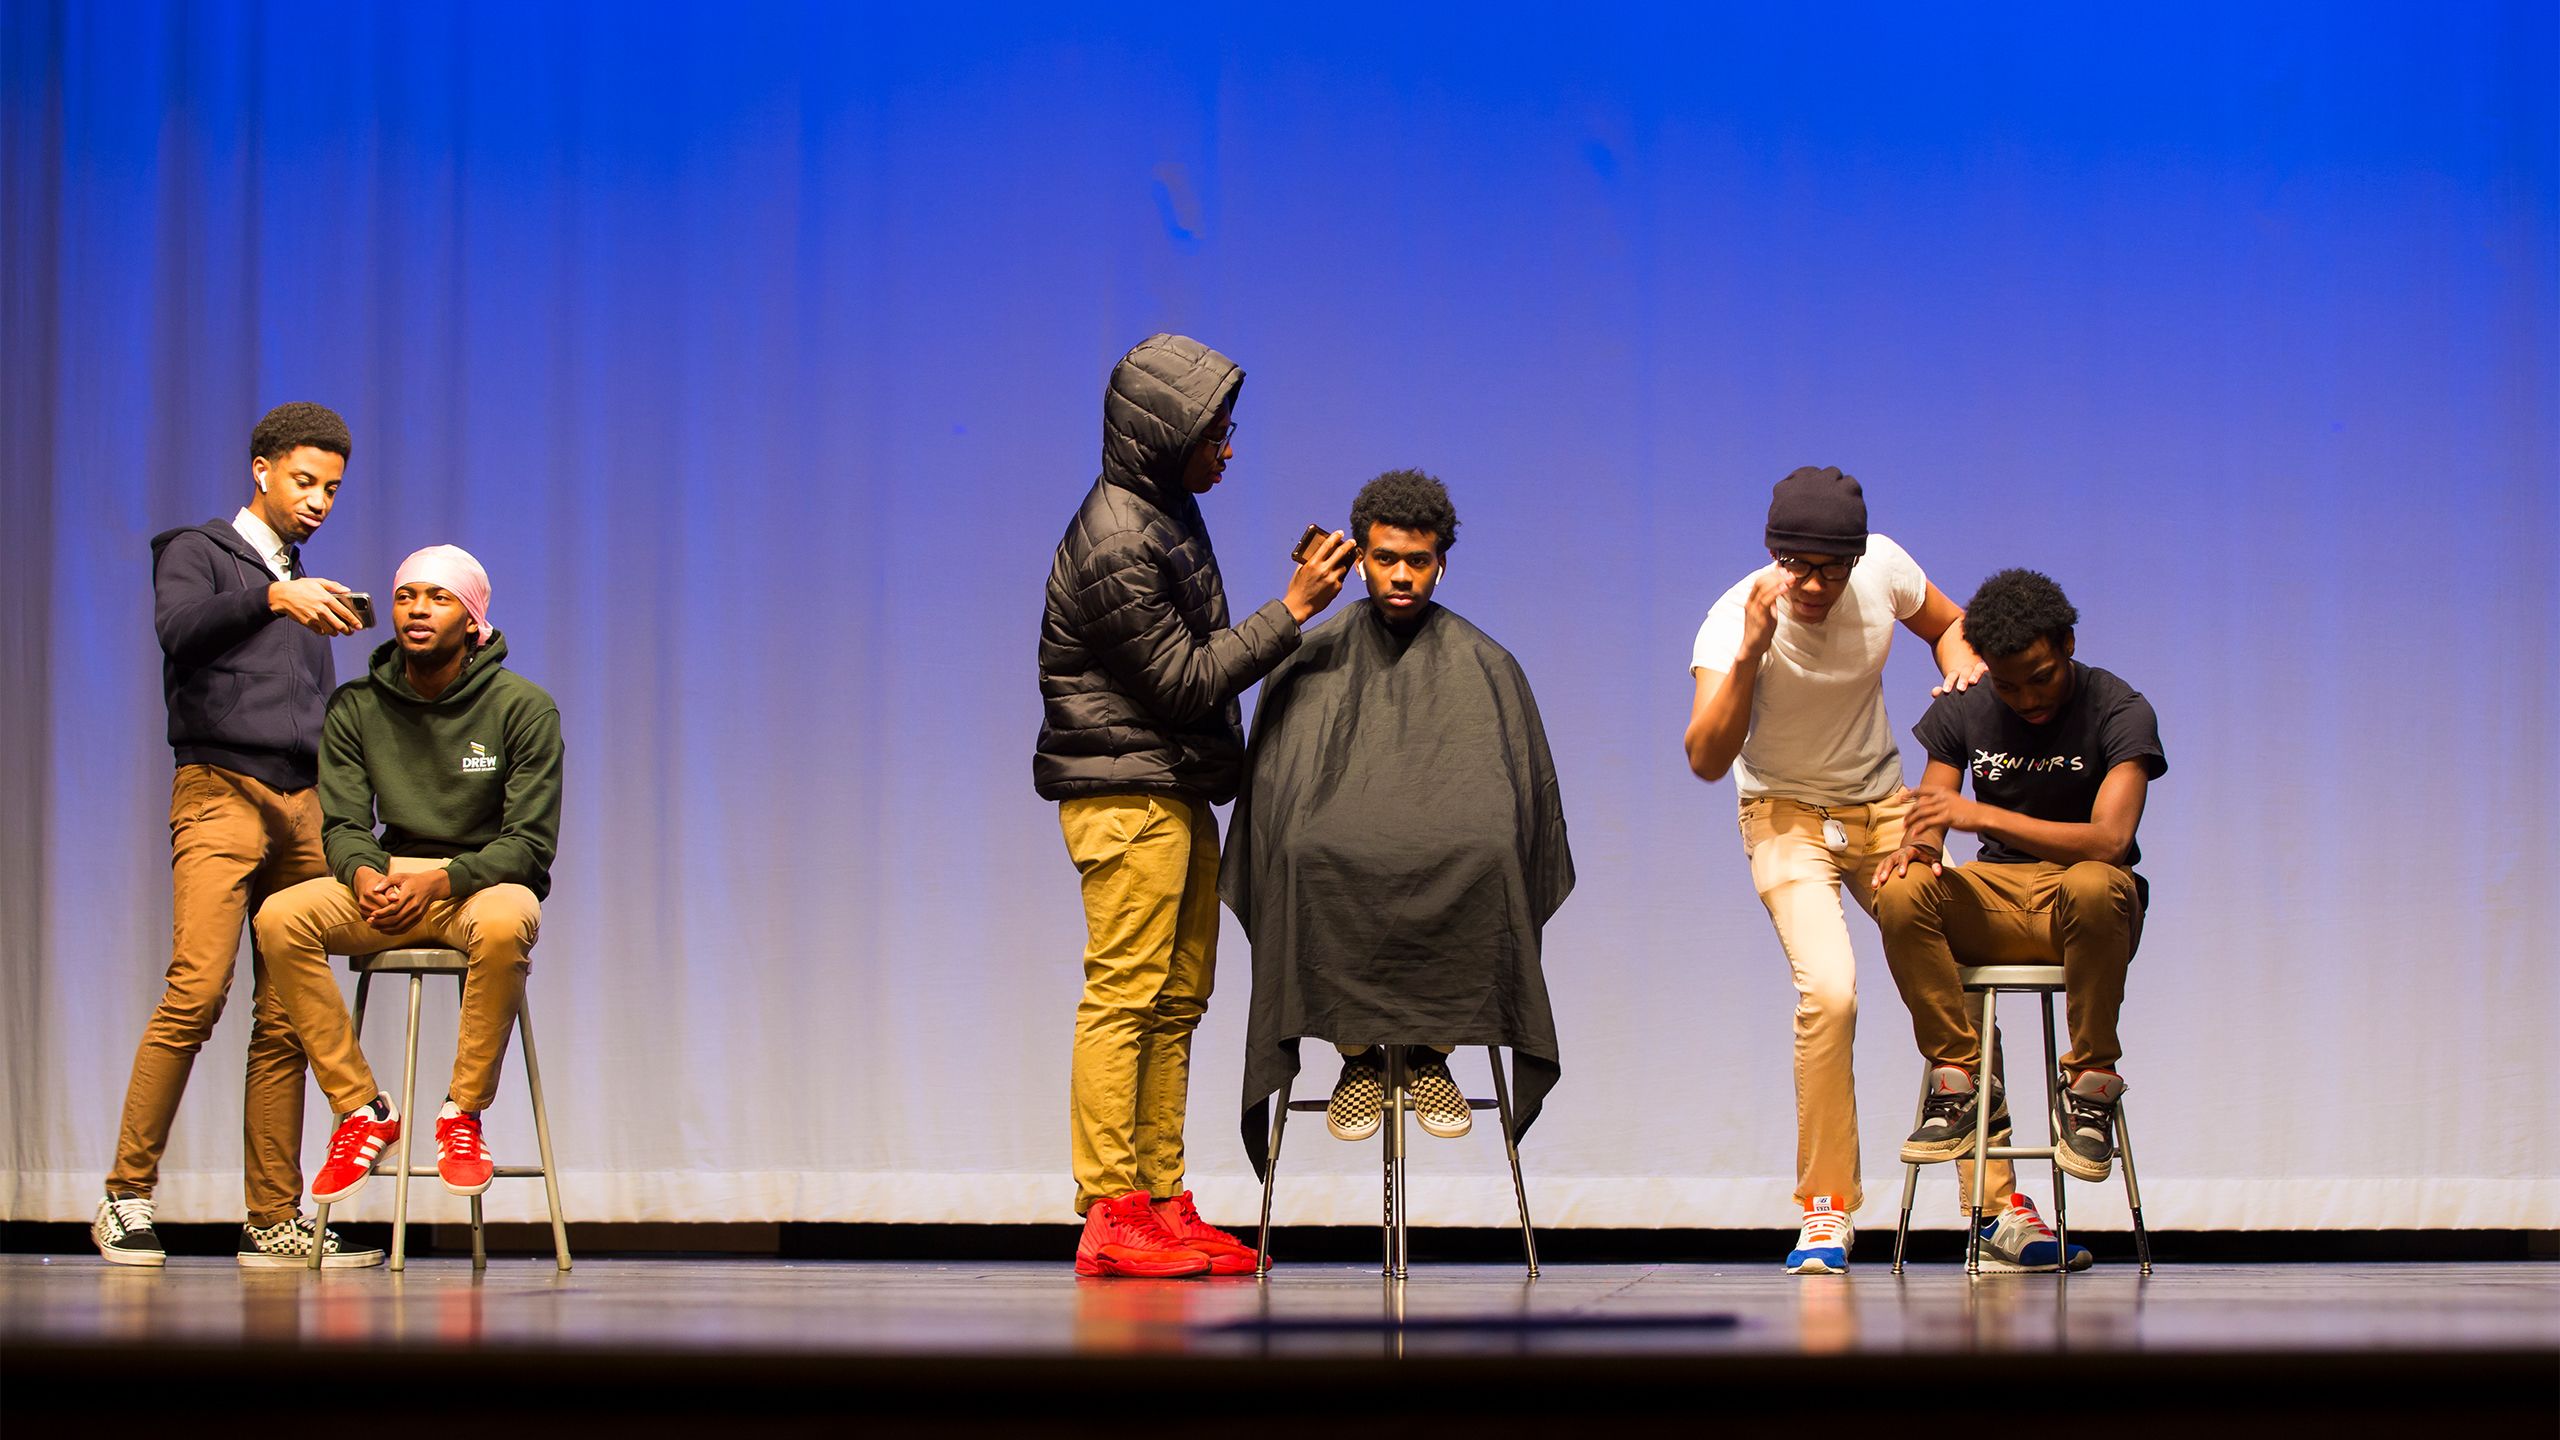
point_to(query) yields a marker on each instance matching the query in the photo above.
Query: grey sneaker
(2017, 1240)
(124, 1234)
(1438, 1104)
(2086, 1149)
(1946, 1121)
(1359, 1100)
(286, 1245)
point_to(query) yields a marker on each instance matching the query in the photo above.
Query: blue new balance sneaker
(2017, 1239)
(1822, 1246)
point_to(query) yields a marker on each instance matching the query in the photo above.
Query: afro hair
(2012, 609)
(1405, 500)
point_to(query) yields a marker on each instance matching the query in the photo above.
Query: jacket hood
(1160, 400)
(219, 532)
(477, 673)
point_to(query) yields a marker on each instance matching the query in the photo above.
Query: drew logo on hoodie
(479, 761)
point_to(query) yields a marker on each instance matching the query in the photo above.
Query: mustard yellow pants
(1150, 870)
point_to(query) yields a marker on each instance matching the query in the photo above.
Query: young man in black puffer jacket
(1140, 734)
(245, 668)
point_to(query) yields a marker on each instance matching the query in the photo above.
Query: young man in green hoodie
(460, 758)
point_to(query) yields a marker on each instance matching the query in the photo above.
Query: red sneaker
(359, 1142)
(1121, 1237)
(1181, 1220)
(462, 1160)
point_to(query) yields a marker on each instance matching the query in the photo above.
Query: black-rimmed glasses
(1835, 572)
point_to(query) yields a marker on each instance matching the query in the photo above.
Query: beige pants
(2085, 917)
(1799, 877)
(301, 928)
(233, 841)
(1150, 868)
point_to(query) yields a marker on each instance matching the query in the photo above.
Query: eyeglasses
(1836, 571)
(1220, 435)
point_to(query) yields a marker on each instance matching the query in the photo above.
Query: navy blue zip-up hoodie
(246, 687)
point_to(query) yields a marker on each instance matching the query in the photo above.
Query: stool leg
(1519, 1185)
(541, 1134)
(320, 1224)
(2053, 1132)
(1911, 1174)
(1396, 1161)
(1981, 1126)
(1271, 1178)
(2132, 1189)
(408, 1130)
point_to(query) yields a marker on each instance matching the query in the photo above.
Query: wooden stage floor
(662, 1345)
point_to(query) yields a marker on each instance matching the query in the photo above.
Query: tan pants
(1150, 868)
(301, 928)
(2086, 917)
(233, 841)
(1799, 878)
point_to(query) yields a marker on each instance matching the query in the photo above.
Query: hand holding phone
(1323, 557)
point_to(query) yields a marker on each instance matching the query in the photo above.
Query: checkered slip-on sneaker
(124, 1234)
(1359, 1100)
(286, 1245)
(1438, 1103)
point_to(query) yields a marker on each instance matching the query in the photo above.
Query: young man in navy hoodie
(245, 669)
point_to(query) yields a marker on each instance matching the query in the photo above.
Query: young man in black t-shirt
(2062, 756)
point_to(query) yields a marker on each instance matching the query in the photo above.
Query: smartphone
(1307, 542)
(362, 604)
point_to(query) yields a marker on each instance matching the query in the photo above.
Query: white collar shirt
(263, 539)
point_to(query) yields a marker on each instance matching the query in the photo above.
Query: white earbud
(262, 484)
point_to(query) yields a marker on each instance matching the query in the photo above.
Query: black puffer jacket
(1139, 671)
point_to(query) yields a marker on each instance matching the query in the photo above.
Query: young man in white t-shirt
(1790, 697)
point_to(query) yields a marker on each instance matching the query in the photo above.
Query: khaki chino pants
(233, 841)
(2086, 917)
(1150, 878)
(301, 928)
(1799, 879)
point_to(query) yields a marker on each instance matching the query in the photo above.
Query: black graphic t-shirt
(2049, 771)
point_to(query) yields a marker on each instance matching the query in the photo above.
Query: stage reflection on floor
(883, 1309)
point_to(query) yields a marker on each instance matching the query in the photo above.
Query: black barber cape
(1398, 844)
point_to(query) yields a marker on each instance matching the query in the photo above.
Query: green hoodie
(472, 776)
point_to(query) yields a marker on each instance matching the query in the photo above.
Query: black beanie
(1818, 512)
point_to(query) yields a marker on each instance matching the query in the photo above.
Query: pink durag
(452, 568)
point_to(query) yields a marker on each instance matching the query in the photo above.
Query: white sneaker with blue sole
(1822, 1246)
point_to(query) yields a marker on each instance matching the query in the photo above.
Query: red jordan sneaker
(1122, 1237)
(353, 1151)
(1181, 1220)
(462, 1160)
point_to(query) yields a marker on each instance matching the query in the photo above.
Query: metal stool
(418, 964)
(2043, 981)
(1392, 1227)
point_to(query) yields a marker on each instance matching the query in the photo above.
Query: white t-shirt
(1818, 729)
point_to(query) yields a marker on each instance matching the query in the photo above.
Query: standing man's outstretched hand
(1319, 577)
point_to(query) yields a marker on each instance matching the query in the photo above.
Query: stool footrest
(503, 1172)
(2014, 1152)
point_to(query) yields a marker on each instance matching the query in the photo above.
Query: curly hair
(1405, 500)
(290, 426)
(2012, 609)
